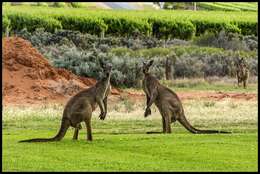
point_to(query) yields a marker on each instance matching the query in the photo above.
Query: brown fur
(242, 73)
(167, 102)
(80, 107)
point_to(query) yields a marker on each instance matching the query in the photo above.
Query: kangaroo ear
(150, 63)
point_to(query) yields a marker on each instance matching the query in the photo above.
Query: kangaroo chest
(145, 88)
(108, 89)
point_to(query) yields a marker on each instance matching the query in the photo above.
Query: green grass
(121, 144)
(208, 85)
(132, 152)
(228, 6)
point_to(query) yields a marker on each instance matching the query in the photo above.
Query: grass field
(214, 84)
(229, 6)
(121, 144)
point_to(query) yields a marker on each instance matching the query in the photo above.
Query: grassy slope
(120, 142)
(230, 6)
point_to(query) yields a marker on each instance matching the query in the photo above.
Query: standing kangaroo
(80, 107)
(167, 102)
(242, 73)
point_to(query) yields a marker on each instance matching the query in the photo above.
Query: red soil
(28, 77)
(196, 95)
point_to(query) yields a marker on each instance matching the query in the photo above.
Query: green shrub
(82, 24)
(166, 29)
(247, 28)
(224, 40)
(122, 51)
(231, 28)
(6, 4)
(5, 24)
(32, 22)
(77, 4)
(126, 26)
(214, 27)
(42, 4)
(59, 4)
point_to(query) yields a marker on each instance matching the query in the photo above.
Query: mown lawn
(120, 142)
(131, 152)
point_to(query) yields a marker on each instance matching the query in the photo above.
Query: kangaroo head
(241, 62)
(107, 68)
(146, 66)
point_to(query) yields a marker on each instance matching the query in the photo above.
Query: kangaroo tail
(190, 128)
(63, 129)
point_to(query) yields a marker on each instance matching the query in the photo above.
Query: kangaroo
(168, 103)
(80, 107)
(242, 73)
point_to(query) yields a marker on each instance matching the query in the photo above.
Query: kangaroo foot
(147, 112)
(154, 132)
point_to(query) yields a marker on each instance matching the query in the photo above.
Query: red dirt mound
(29, 78)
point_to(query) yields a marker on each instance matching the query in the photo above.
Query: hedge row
(32, 22)
(82, 24)
(124, 24)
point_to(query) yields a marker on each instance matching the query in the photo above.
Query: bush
(226, 40)
(186, 66)
(86, 41)
(167, 29)
(247, 28)
(32, 22)
(43, 4)
(251, 42)
(7, 4)
(83, 24)
(76, 4)
(126, 26)
(5, 24)
(59, 4)
(203, 26)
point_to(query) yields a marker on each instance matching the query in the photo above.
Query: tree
(170, 61)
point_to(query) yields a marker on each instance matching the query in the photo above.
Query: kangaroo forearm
(147, 99)
(105, 104)
(101, 106)
(150, 102)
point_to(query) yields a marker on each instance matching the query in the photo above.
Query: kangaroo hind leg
(88, 126)
(76, 132)
(166, 114)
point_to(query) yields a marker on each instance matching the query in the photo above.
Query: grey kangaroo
(80, 107)
(242, 73)
(168, 103)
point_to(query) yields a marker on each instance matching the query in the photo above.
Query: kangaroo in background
(242, 73)
(167, 102)
(80, 107)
